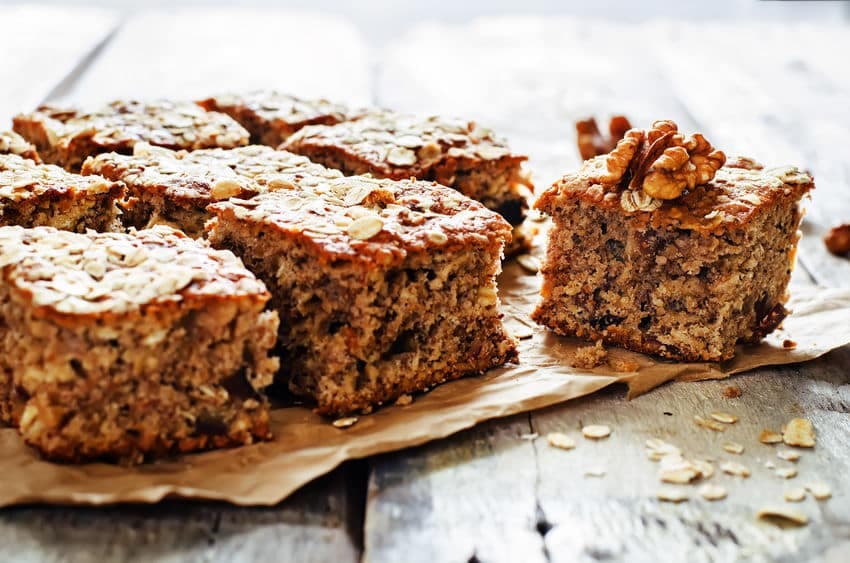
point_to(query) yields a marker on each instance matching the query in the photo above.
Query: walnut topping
(661, 162)
(837, 240)
(592, 143)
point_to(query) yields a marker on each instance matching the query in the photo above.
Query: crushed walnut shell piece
(799, 432)
(560, 440)
(592, 143)
(837, 240)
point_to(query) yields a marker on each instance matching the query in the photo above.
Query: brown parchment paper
(307, 446)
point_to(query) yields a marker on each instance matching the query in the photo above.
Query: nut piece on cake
(130, 346)
(271, 116)
(67, 136)
(12, 143)
(34, 195)
(452, 152)
(383, 287)
(664, 247)
(174, 188)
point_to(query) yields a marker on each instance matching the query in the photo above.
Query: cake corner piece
(665, 247)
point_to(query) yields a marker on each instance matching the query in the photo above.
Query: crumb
(732, 392)
(789, 345)
(837, 240)
(623, 365)
(589, 357)
(404, 400)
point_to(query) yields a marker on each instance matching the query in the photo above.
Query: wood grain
(41, 46)
(531, 80)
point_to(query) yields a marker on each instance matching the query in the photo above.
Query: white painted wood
(192, 53)
(42, 45)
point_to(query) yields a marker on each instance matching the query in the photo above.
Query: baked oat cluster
(175, 187)
(272, 116)
(130, 345)
(12, 143)
(67, 136)
(665, 247)
(34, 194)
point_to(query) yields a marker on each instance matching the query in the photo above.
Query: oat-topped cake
(67, 136)
(12, 143)
(174, 188)
(383, 287)
(129, 346)
(452, 152)
(665, 247)
(42, 195)
(271, 116)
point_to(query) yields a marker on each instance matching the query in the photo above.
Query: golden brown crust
(737, 194)
(369, 220)
(76, 279)
(272, 116)
(12, 143)
(66, 136)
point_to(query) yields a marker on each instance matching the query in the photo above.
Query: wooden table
(777, 92)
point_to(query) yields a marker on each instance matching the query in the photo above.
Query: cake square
(384, 288)
(271, 116)
(130, 346)
(12, 143)
(34, 195)
(665, 247)
(452, 152)
(175, 188)
(67, 136)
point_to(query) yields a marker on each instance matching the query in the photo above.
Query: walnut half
(662, 162)
(592, 143)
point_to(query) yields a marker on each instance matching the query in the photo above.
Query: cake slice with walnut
(67, 136)
(130, 346)
(665, 247)
(452, 152)
(12, 143)
(383, 287)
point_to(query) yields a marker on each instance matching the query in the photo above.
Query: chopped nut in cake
(67, 136)
(452, 152)
(271, 116)
(130, 346)
(664, 247)
(12, 143)
(383, 287)
(33, 195)
(174, 188)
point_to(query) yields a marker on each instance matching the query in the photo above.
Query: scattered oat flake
(594, 472)
(706, 470)
(819, 490)
(671, 495)
(795, 494)
(782, 516)
(708, 423)
(788, 455)
(733, 447)
(724, 417)
(789, 345)
(530, 436)
(769, 464)
(735, 468)
(770, 437)
(799, 432)
(658, 449)
(345, 422)
(560, 440)
(786, 472)
(404, 400)
(596, 431)
(712, 492)
(529, 263)
(679, 471)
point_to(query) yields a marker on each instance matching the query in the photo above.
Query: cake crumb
(623, 365)
(589, 357)
(838, 240)
(404, 400)
(732, 392)
(789, 345)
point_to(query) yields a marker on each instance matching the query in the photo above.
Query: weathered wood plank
(192, 53)
(530, 80)
(41, 46)
(187, 54)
